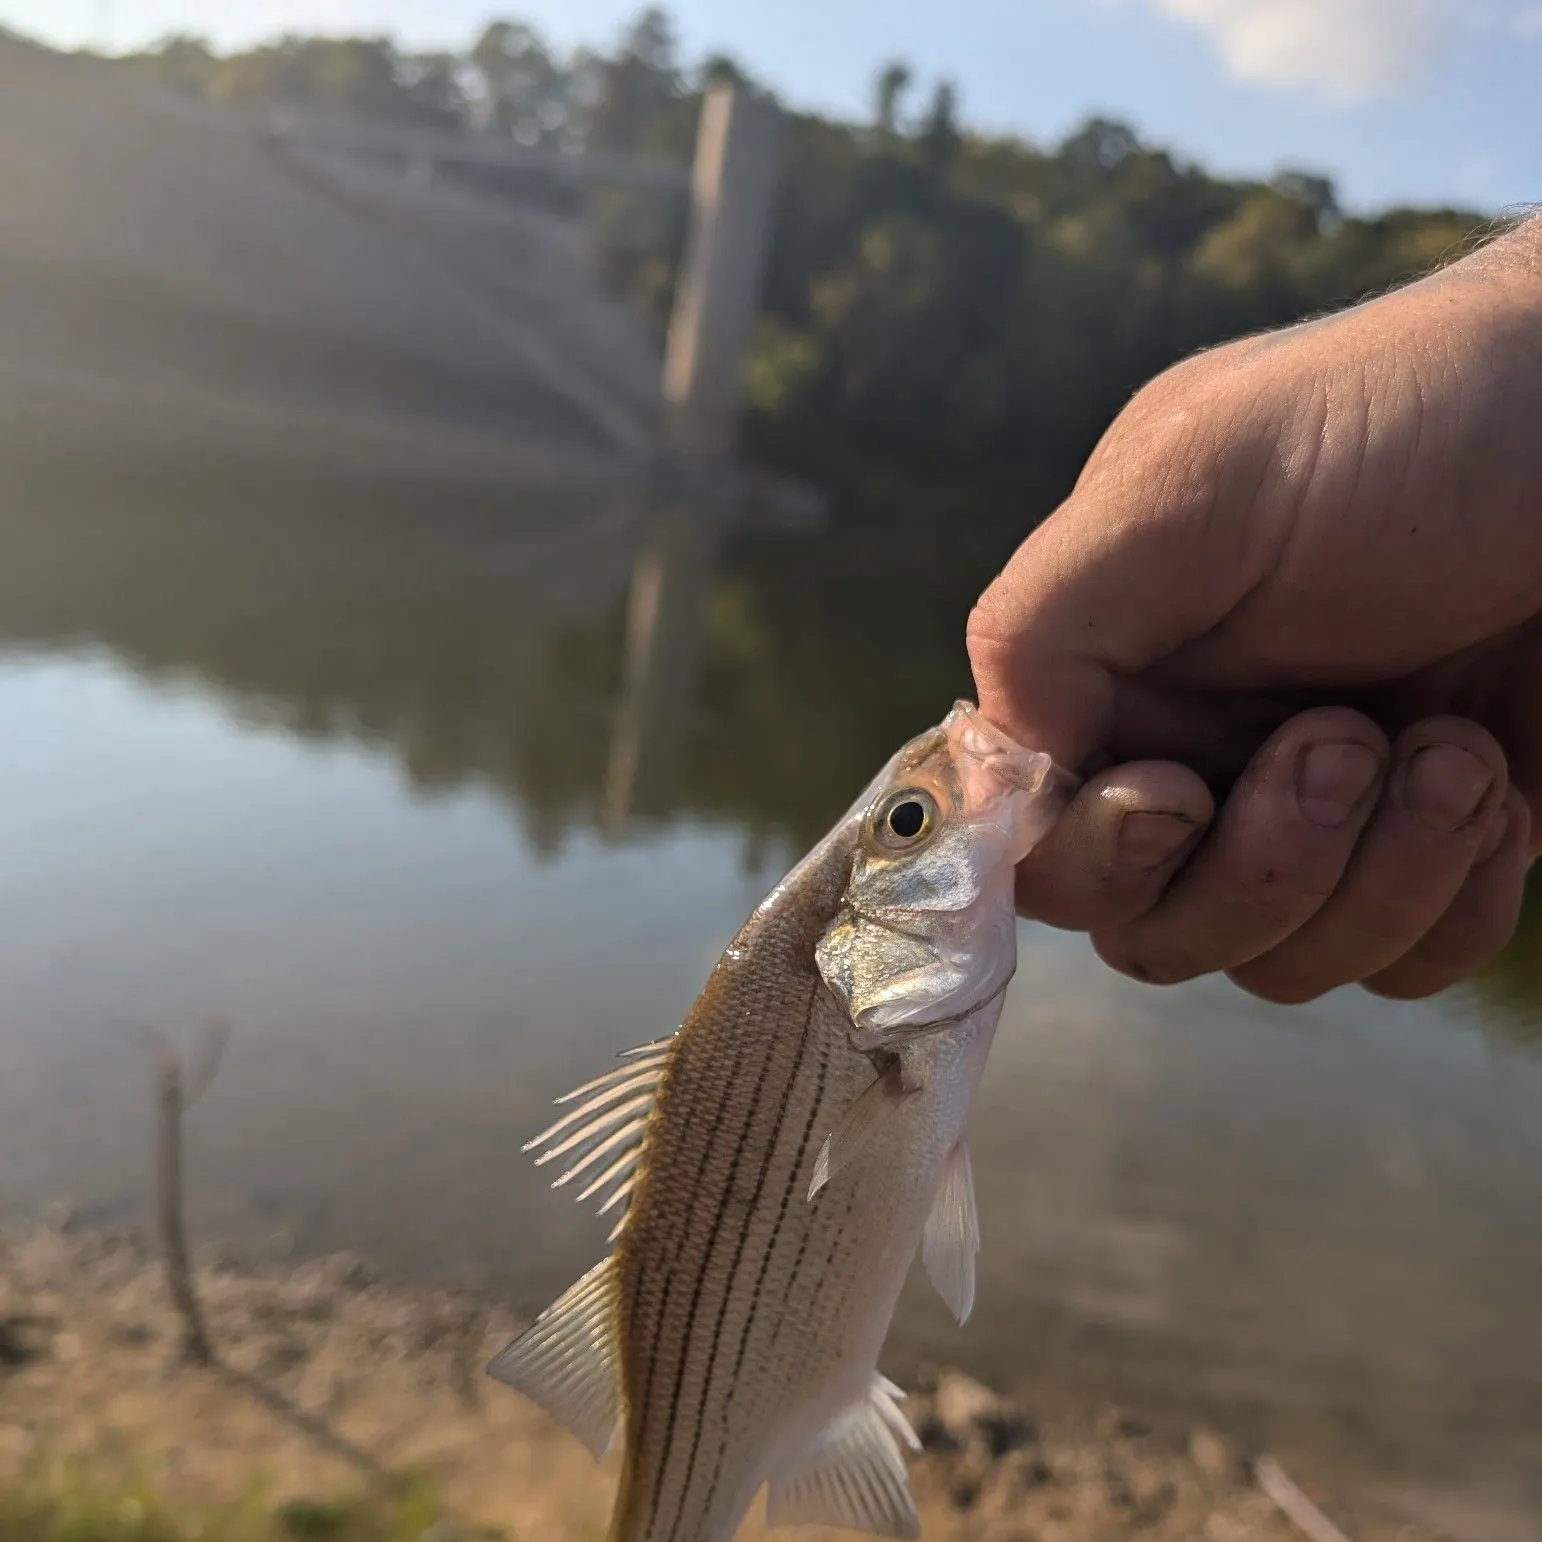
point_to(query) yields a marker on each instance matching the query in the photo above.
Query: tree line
(951, 318)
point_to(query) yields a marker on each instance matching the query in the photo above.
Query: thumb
(1098, 594)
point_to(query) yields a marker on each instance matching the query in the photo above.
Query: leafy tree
(525, 92)
(939, 129)
(721, 70)
(363, 77)
(949, 319)
(640, 90)
(1314, 191)
(1101, 144)
(893, 84)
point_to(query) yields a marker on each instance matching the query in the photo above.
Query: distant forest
(951, 318)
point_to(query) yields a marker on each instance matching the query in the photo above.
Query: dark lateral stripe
(808, 1235)
(639, 1409)
(765, 1264)
(839, 1233)
(684, 1357)
(681, 1108)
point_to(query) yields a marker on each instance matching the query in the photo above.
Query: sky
(1400, 101)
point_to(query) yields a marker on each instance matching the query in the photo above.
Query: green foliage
(525, 91)
(365, 77)
(63, 1504)
(1511, 987)
(951, 319)
(956, 311)
(890, 89)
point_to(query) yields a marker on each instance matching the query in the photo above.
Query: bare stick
(176, 1090)
(470, 1278)
(179, 1272)
(206, 1060)
(1274, 1482)
(469, 1353)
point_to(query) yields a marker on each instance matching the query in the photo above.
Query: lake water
(411, 784)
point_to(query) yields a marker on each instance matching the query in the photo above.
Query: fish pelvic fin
(603, 1137)
(568, 1360)
(952, 1237)
(873, 1105)
(853, 1476)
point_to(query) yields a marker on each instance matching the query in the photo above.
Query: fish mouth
(1020, 790)
(975, 740)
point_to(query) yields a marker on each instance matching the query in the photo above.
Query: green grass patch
(63, 1505)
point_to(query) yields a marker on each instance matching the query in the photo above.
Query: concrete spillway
(167, 274)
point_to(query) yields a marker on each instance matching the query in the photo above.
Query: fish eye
(904, 818)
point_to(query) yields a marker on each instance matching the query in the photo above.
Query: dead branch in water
(469, 1351)
(178, 1087)
(1276, 1484)
(470, 1329)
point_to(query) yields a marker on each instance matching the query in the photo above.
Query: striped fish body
(783, 1156)
(751, 1318)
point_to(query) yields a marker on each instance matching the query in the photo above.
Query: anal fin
(952, 1237)
(854, 1475)
(568, 1359)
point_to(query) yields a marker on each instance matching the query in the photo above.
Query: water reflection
(446, 793)
(489, 638)
(661, 655)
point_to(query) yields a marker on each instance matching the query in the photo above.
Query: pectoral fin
(568, 1360)
(867, 1114)
(952, 1237)
(854, 1475)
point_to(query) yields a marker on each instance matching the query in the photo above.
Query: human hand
(1305, 570)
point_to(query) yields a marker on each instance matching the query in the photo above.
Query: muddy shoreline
(334, 1382)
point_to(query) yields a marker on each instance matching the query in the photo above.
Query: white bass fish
(781, 1158)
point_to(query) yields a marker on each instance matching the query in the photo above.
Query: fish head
(926, 929)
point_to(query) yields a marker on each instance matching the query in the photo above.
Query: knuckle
(1400, 910)
(1144, 961)
(1521, 821)
(987, 639)
(1403, 983)
(1468, 937)
(1281, 988)
(1173, 971)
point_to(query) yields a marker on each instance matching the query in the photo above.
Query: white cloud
(1346, 50)
(1527, 23)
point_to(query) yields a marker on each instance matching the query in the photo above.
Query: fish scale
(800, 1135)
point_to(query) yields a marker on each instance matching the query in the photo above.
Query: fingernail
(1147, 839)
(1332, 778)
(1498, 828)
(1444, 786)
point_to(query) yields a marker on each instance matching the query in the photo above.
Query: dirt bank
(334, 1383)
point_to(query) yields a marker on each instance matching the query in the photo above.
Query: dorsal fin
(568, 1360)
(854, 1475)
(607, 1129)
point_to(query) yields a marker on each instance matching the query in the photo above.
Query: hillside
(167, 274)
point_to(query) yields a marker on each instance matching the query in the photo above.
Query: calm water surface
(445, 796)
